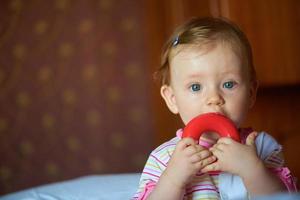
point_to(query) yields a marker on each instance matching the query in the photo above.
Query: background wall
(76, 90)
(73, 95)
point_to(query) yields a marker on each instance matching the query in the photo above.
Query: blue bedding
(94, 187)
(98, 187)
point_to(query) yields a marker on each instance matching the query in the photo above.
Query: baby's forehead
(188, 51)
(210, 55)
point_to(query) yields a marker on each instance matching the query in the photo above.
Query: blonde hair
(201, 32)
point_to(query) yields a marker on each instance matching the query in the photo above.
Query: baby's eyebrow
(231, 71)
(192, 78)
(195, 75)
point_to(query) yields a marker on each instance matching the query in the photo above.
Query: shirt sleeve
(150, 176)
(271, 153)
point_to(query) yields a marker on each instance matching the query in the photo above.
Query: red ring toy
(211, 122)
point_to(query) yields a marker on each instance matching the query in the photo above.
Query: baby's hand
(234, 157)
(188, 158)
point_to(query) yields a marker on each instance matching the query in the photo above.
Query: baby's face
(211, 80)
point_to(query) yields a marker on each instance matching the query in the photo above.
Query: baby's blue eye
(195, 87)
(229, 85)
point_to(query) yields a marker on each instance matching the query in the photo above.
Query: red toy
(211, 122)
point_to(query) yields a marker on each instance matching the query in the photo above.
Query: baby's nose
(215, 99)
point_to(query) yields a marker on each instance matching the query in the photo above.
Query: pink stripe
(208, 173)
(152, 170)
(158, 160)
(199, 185)
(179, 133)
(211, 186)
(274, 161)
(165, 146)
(276, 158)
(202, 189)
(205, 144)
(150, 174)
(214, 173)
(277, 161)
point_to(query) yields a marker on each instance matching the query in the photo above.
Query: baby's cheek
(237, 114)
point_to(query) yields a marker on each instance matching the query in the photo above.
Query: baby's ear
(253, 91)
(167, 94)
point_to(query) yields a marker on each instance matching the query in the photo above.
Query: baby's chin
(237, 123)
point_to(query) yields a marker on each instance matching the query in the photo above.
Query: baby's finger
(185, 142)
(190, 150)
(250, 140)
(225, 140)
(220, 146)
(211, 167)
(200, 156)
(216, 151)
(200, 148)
(205, 162)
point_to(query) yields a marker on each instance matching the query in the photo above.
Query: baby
(207, 67)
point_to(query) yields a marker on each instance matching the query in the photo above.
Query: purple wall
(74, 90)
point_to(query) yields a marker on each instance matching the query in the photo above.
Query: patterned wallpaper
(73, 90)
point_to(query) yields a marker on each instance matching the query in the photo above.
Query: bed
(93, 187)
(98, 187)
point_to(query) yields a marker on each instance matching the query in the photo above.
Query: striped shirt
(204, 185)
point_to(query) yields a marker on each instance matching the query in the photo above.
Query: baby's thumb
(251, 139)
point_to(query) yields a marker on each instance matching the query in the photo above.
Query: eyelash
(233, 83)
(195, 87)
